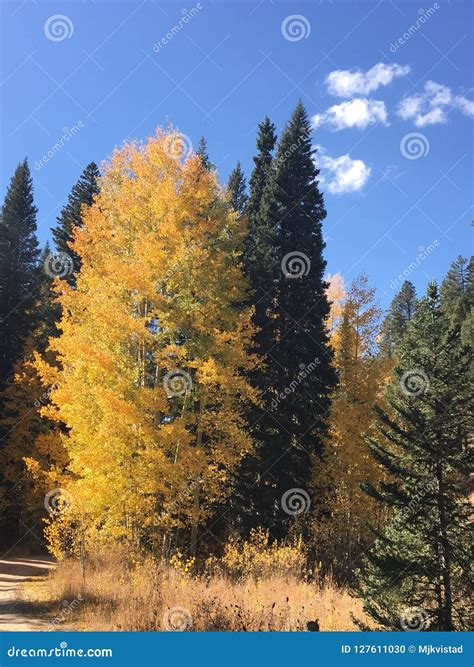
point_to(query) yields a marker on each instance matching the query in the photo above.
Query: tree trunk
(447, 611)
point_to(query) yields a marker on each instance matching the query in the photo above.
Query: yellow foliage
(150, 381)
(258, 558)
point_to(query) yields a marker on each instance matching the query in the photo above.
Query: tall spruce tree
(401, 310)
(417, 574)
(204, 155)
(82, 194)
(457, 295)
(18, 268)
(298, 376)
(244, 509)
(237, 189)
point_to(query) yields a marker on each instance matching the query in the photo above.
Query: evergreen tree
(244, 509)
(298, 374)
(401, 310)
(417, 573)
(457, 295)
(82, 194)
(204, 155)
(18, 268)
(236, 188)
(22, 426)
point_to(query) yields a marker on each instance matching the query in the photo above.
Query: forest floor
(17, 611)
(119, 593)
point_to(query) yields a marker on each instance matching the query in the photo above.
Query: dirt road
(13, 572)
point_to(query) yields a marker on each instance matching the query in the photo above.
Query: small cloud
(358, 113)
(347, 83)
(341, 174)
(431, 107)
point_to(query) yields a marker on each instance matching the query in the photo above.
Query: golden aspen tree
(344, 509)
(154, 347)
(336, 293)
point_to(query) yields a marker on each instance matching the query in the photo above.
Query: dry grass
(144, 596)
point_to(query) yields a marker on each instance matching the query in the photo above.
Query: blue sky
(370, 73)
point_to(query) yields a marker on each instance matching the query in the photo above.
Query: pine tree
(21, 423)
(18, 268)
(457, 295)
(204, 155)
(298, 374)
(244, 508)
(82, 194)
(259, 243)
(401, 310)
(236, 189)
(417, 572)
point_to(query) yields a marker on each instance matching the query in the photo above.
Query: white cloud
(431, 107)
(341, 174)
(465, 105)
(358, 113)
(347, 83)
